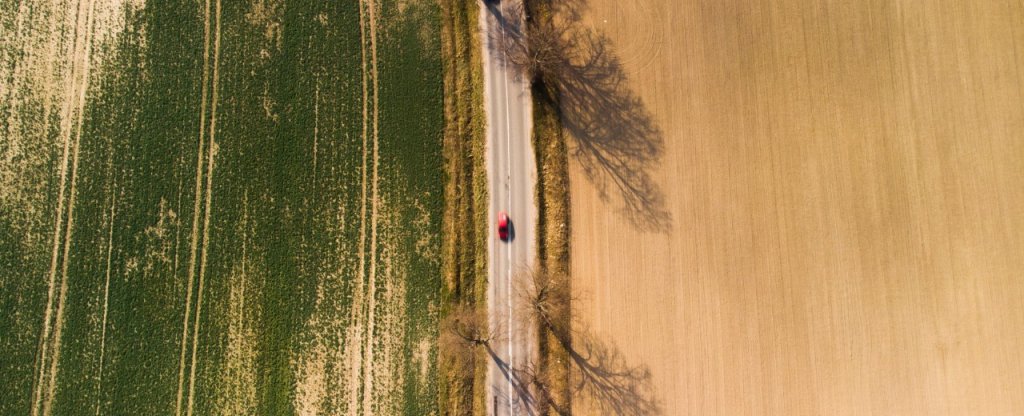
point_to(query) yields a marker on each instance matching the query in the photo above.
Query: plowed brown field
(841, 228)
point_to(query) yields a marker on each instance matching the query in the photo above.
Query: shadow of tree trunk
(598, 372)
(521, 380)
(615, 140)
(602, 376)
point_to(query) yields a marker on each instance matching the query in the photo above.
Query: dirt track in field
(72, 113)
(177, 235)
(836, 217)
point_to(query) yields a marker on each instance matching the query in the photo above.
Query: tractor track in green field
(204, 197)
(193, 236)
(371, 320)
(364, 305)
(210, 158)
(355, 369)
(296, 276)
(49, 347)
(106, 293)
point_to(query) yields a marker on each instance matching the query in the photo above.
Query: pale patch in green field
(202, 210)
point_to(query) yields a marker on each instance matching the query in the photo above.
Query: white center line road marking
(508, 190)
(513, 195)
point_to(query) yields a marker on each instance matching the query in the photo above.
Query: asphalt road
(512, 174)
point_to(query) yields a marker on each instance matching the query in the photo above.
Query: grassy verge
(552, 242)
(465, 217)
(464, 246)
(553, 232)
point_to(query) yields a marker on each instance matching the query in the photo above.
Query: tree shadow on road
(615, 139)
(601, 381)
(600, 377)
(520, 379)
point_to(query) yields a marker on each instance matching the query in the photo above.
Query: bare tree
(600, 374)
(468, 325)
(617, 143)
(544, 298)
(532, 374)
(531, 46)
(463, 330)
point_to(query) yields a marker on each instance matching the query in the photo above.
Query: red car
(503, 224)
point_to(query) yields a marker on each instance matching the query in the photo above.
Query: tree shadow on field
(598, 373)
(599, 377)
(615, 139)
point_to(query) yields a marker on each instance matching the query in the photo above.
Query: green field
(214, 207)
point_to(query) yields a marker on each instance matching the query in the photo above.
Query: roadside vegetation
(464, 331)
(576, 93)
(549, 296)
(615, 142)
(463, 371)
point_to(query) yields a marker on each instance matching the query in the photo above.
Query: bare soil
(835, 222)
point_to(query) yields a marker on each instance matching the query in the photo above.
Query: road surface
(512, 174)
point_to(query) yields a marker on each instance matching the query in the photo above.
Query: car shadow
(614, 138)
